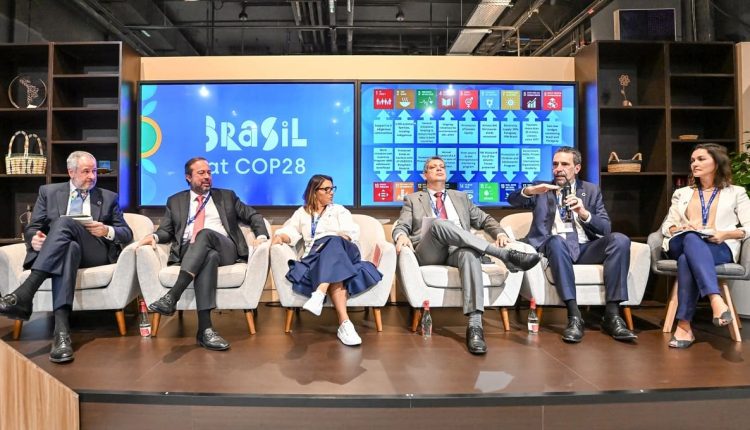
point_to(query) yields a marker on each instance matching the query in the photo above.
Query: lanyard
(706, 208)
(314, 224)
(200, 208)
(434, 207)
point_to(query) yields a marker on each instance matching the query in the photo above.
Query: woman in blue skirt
(331, 263)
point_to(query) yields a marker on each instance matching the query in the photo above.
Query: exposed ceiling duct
(485, 15)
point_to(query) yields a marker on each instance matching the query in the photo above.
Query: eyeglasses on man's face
(327, 189)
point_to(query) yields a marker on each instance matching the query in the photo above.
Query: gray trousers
(447, 244)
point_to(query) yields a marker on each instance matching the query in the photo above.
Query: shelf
(108, 108)
(697, 141)
(703, 75)
(42, 110)
(700, 58)
(10, 240)
(703, 108)
(85, 142)
(86, 91)
(101, 176)
(631, 108)
(614, 174)
(87, 76)
(7, 176)
(86, 58)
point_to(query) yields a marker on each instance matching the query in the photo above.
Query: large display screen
(494, 137)
(264, 140)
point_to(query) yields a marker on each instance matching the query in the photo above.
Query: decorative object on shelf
(740, 163)
(27, 92)
(688, 137)
(23, 163)
(624, 82)
(103, 167)
(615, 165)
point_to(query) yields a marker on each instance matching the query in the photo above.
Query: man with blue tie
(436, 224)
(571, 225)
(57, 245)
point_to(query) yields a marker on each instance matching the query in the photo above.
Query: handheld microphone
(564, 193)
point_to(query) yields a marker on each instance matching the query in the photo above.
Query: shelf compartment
(708, 124)
(647, 193)
(23, 191)
(629, 131)
(86, 58)
(642, 62)
(85, 124)
(99, 92)
(59, 155)
(702, 91)
(701, 58)
(681, 156)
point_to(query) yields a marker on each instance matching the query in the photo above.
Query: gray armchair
(662, 265)
(111, 286)
(240, 285)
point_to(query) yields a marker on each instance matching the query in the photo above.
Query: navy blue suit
(612, 249)
(69, 246)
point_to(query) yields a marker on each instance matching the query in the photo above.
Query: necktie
(440, 205)
(200, 219)
(76, 205)
(571, 242)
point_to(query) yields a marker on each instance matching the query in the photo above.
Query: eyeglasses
(327, 189)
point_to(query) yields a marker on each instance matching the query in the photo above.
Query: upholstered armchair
(441, 285)
(108, 287)
(539, 284)
(240, 285)
(662, 265)
(371, 237)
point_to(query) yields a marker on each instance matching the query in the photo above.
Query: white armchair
(441, 285)
(539, 284)
(239, 285)
(111, 286)
(371, 236)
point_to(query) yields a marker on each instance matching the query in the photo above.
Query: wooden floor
(170, 376)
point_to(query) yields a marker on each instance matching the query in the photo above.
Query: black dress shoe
(516, 260)
(209, 339)
(165, 305)
(15, 309)
(615, 326)
(573, 333)
(62, 348)
(475, 340)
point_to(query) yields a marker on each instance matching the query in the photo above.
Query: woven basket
(615, 165)
(23, 163)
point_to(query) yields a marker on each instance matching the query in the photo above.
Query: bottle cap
(532, 303)
(426, 304)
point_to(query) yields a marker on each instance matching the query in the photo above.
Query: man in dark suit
(448, 241)
(58, 245)
(570, 226)
(202, 224)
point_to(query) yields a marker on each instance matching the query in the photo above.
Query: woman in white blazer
(700, 231)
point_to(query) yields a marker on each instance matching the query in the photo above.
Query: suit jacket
(544, 207)
(231, 211)
(52, 203)
(733, 208)
(417, 206)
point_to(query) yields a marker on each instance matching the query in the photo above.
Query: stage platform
(308, 379)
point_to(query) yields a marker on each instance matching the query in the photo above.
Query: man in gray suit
(448, 241)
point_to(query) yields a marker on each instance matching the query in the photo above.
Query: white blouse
(336, 220)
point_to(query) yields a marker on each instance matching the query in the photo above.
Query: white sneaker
(315, 303)
(347, 335)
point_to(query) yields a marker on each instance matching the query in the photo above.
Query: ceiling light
(243, 14)
(400, 14)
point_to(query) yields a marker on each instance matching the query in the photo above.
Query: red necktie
(200, 219)
(440, 205)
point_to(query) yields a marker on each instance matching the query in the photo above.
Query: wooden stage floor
(311, 368)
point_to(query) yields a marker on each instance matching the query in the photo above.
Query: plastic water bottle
(426, 319)
(143, 322)
(533, 320)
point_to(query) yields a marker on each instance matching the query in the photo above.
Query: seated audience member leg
(346, 332)
(314, 304)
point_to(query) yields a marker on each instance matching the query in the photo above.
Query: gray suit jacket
(417, 206)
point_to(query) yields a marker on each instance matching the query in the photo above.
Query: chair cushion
(667, 265)
(448, 277)
(88, 279)
(231, 276)
(722, 270)
(585, 274)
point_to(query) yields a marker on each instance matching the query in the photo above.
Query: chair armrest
(256, 274)
(124, 286)
(280, 255)
(655, 241)
(411, 278)
(640, 262)
(148, 267)
(387, 267)
(744, 259)
(11, 266)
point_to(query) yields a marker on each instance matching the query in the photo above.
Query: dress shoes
(475, 340)
(209, 339)
(573, 333)
(15, 309)
(516, 260)
(62, 348)
(615, 326)
(164, 306)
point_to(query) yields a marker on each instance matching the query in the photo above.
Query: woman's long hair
(723, 175)
(312, 186)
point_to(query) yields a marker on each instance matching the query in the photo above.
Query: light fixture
(243, 14)
(400, 14)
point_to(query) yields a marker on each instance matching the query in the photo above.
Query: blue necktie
(571, 242)
(76, 205)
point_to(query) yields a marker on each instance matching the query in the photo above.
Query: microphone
(564, 193)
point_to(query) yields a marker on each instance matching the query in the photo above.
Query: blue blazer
(52, 203)
(545, 205)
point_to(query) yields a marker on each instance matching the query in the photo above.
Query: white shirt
(212, 220)
(450, 210)
(335, 219)
(86, 209)
(559, 226)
